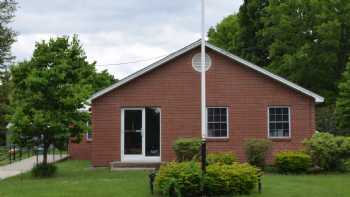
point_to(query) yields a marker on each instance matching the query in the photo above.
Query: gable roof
(318, 98)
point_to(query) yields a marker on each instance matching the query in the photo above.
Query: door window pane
(152, 132)
(133, 132)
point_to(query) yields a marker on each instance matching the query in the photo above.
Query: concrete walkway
(26, 165)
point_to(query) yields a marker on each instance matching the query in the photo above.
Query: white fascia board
(318, 98)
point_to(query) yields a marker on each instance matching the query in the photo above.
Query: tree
(101, 80)
(49, 90)
(239, 34)
(309, 42)
(251, 45)
(343, 102)
(225, 34)
(4, 104)
(7, 38)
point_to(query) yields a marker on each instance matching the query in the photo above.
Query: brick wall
(175, 88)
(80, 151)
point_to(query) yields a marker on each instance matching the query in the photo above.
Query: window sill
(89, 140)
(280, 139)
(213, 139)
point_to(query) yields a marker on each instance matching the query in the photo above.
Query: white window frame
(227, 123)
(88, 138)
(87, 134)
(289, 123)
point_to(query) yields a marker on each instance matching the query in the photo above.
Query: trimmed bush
(256, 151)
(44, 170)
(234, 179)
(327, 151)
(186, 149)
(183, 179)
(292, 162)
(221, 158)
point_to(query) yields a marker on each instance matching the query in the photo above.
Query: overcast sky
(114, 31)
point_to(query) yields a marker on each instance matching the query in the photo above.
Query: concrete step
(118, 165)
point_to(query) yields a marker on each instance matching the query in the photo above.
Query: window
(279, 122)
(89, 133)
(89, 136)
(217, 122)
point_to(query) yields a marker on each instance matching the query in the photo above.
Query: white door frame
(141, 157)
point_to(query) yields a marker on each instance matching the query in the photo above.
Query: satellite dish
(197, 63)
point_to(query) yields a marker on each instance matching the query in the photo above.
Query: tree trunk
(45, 152)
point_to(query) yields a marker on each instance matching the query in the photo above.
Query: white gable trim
(318, 99)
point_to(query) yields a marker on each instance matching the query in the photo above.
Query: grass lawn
(76, 179)
(332, 185)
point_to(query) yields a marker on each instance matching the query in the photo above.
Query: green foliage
(182, 178)
(343, 101)
(43, 170)
(347, 165)
(186, 149)
(221, 158)
(102, 80)
(326, 119)
(7, 35)
(256, 151)
(302, 40)
(251, 45)
(48, 91)
(234, 179)
(4, 104)
(238, 33)
(185, 178)
(308, 42)
(225, 34)
(328, 151)
(7, 38)
(292, 162)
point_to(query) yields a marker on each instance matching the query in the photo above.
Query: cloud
(117, 31)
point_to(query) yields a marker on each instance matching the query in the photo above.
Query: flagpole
(203, 101)
(203, 94)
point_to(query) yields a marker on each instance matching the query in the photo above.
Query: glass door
(140, 134)
(133, 133)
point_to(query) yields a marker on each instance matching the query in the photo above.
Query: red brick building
(139, 118)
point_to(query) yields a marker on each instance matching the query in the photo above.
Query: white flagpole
(203, 94)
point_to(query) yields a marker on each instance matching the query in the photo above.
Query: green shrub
(44, 170)
(347, 165)
(328, 151)
(292, 162)
(184, 178)
(221, 157)
(234, 179)
(186, 149)
(256, 151)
